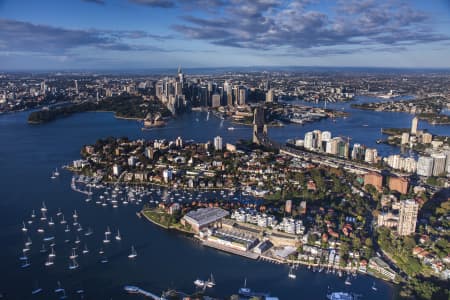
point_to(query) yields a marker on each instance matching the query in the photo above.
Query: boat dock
(136, 290)
(246, 254)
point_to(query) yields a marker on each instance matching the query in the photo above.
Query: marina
(58, 194)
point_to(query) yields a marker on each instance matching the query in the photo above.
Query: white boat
(133, 253)
(211, 283)
(33, 214)
(26, 264)
(340, 296)
(73, 265)
(106, 240)
(347, 281)
(199, 283)
(49, 262)
(59, 212)
(85, 250)
(43, 249)
(40, 230)
(24, 228)
(43, 208)
(231, 128)
(74, 254)
(36, 291)
(48, 239)
(77, 240)
(51, 223)
(88, 232)
(108, 231)
(63, 221)
(44, 216)
(79, 228)
(28, 242)
(59, 288)
(374, 287)
(67, 229)
(291, 273)
(118, 236)
(52, 253)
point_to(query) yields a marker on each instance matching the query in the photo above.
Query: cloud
(95, 1)
(271, 24)
(24, 36)
(155, 3)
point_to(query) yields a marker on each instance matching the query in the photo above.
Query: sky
(146, 34)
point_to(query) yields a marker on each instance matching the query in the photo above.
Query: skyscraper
(414, 124)
(218, 143)
(269, 96)
(407, 217)
(242, 96)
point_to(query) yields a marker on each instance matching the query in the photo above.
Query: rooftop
(204, 216)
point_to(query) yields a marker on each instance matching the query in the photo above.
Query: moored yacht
(133, 253)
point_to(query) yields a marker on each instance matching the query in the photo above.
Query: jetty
(137, 290)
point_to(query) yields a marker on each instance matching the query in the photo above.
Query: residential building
(407, 217)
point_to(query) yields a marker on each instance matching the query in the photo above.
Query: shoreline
(263, 257)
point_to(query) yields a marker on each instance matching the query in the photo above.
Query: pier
(246, 254)
(136, 290)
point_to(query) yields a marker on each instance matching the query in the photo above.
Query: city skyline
(147, 34)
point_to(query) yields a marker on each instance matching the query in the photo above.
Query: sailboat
(49, 262)
(43, 249)
(75, 219)
(108, 231)
(79, 228)
(26, 264)
(118, 236)
(211, 283)
(59, 212)
(51, 223)
(36, 290)
(106, 240)
(33, 214)
(374, 287)
(74, 254)
(74, 265)
(59, 287)
(52, 253)
(63, 221)
(44, 216)
(291, 273)
(67, 229)
(43, 208)
(28, 242)
(133, 253)
(347, 281)
(77, 240)
(24, 228)
(88, 232)
(85, 250)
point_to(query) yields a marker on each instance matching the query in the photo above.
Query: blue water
(28, 154)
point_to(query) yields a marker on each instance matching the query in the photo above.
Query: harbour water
(28, 155)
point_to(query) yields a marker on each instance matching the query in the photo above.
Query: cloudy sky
(143, 34)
